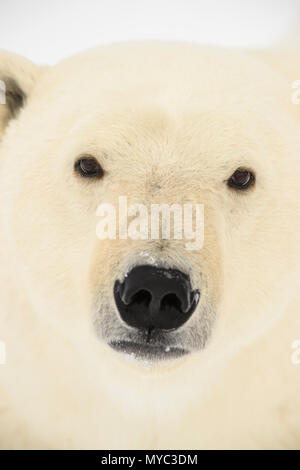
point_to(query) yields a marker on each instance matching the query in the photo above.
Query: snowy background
(46, 31)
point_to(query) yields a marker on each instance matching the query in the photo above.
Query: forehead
(156, 129)
(175, 75)
(182, 98)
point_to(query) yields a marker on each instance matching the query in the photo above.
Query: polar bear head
(150, 124)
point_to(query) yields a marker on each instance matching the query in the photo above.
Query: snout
(152, 298)
(156, 314)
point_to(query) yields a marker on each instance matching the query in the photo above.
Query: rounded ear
(17, 79)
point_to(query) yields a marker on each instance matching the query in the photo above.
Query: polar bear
(140, 343)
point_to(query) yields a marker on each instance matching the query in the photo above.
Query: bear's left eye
(88, 167)
(241, 179)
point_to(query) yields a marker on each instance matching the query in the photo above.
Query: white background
(46, 31)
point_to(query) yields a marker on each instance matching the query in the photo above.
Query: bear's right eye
(88, 167)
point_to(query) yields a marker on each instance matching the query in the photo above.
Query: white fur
(169, 122)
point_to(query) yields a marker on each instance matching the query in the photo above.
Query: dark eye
(241, 179)
(88, 167)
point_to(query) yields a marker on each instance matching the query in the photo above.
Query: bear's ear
(17, 79)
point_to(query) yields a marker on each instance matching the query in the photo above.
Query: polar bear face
(158, 124)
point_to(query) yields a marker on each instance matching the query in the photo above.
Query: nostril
(170, 301)
(141, 298)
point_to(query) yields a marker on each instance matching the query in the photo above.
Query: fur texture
(169, 122)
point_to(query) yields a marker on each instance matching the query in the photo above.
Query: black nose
(155, 298)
